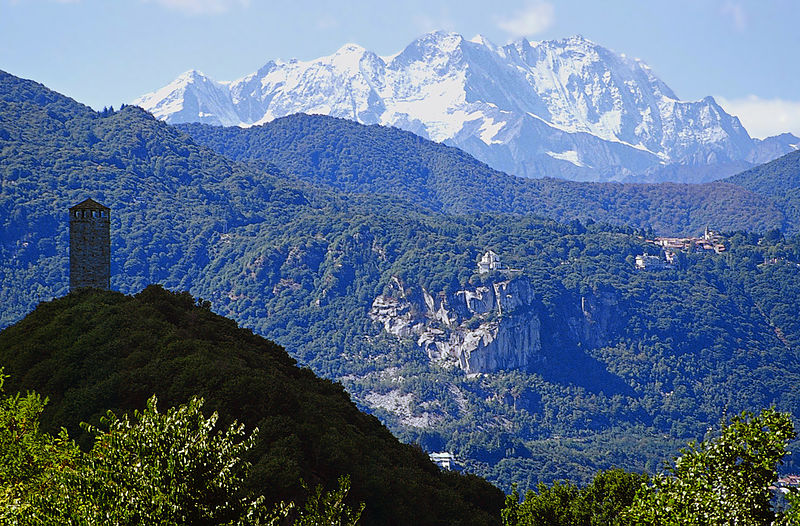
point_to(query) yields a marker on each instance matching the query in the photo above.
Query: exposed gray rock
(591, 320)
(485, 329)
(600, 318)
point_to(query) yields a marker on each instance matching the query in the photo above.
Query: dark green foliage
(601, 503)
(779, 180)
(28, 456)
(634, 363)
(549, 506)
(379, 160)
(722, 480)
(170, 468)
(165, 467)
(91, 351)
(329, 508)
(170, 198)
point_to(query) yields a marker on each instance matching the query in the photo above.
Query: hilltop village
(711, 240)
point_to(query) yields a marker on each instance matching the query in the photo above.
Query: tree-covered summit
(778, 180)
(94, 351)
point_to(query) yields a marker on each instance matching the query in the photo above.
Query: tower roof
(89, 204)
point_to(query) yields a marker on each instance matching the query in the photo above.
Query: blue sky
(105, 52)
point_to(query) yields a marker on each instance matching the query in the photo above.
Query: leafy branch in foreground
(28, 457)
(154, 468)
(723, 480)
(165, 468)
(328, 508)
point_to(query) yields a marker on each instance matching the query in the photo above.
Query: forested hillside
(375, 159)
(168, 195)
(93, 351)
(779, 180)
(575, 361)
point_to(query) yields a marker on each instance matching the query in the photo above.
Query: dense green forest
(179, 466)
(170, 467)
(379, 160)
(630, 363)
(94, 351)
(725, 479)
(779, 180)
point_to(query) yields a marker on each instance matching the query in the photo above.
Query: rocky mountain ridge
(491, 326)
(479, 330)
(565, 108)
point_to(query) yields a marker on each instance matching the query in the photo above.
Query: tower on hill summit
(89, 246)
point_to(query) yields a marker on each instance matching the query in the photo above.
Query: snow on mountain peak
(483, 41)
(350, 50)
(446, 41)
(524, 107)
(430, 47)
(578, 40)
(350, 47)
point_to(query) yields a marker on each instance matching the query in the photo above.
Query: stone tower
(89, 246)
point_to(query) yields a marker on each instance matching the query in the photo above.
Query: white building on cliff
(490, 261)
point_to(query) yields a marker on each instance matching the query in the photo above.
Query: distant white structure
(444, 460)
(644, 261)
(490, 261)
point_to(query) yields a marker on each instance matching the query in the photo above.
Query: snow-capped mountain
(566, 108)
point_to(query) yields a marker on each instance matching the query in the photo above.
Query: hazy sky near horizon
(105, 52)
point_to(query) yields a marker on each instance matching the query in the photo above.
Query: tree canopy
(170, 468)
(723, 480)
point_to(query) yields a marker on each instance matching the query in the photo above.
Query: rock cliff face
(485, 329)
(598, 320)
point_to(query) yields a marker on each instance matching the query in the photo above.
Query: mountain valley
(357, 248)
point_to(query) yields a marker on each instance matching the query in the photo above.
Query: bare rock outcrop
(491, 327)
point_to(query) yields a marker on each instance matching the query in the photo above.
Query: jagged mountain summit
(566, 108)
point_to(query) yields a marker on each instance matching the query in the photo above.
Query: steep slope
(380, 160)
(193, 97)
(93, 351)
(625, 364)
(775, 179)
(779, 180)
(167, 194)
(566, 108)
(773, 147)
